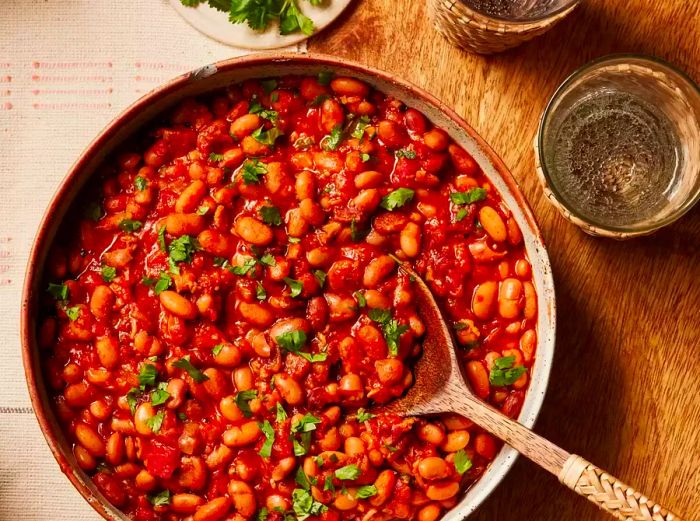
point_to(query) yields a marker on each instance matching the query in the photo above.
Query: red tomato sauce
(220, 321)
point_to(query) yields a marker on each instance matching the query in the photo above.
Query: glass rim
(679, 210)
(567, 5)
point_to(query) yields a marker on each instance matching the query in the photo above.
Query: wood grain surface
(624, 390)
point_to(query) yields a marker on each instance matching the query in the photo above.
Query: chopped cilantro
(332, 140)
(217, 349)
(251, 171)
(305, 505)
(108, 273)
(160, 284)
(267, 137)
(390, 327)
(244, 268)
(503, 373)
(364, 157)
(462, 462)
(303, 142)
(159, 396)
(348, 472)
(181, 250)
(132, 398)
(292, 340)
(461, 214)
(268, 260)
(266, 449)
(161, 239)
(202, 210)
(156, 421)
(215, 158)
(405, 152)
(360, 125)
(197, 375)
(366, 491)
(302, 479)
(363, 416)
(58, 291)
(281, 413)
(320, 277)
(295, 287)
(357, 234)
(148, 374)
(360, 298)
(243, 399)
(270, 215)
(397, 198)
(269, 85)
(130, 225)
(159, 500)
(140, 183)
(262, 515)
(471, 196)
(260, 292)
(73, 313)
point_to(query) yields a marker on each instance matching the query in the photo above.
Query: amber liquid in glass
(616, 158)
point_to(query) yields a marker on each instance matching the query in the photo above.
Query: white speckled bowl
(216, 76)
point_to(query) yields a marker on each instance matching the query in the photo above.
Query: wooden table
(624, 388)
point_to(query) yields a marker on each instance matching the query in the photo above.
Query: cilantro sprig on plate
(258, 14)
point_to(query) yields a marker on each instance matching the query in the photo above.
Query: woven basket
(475, 32)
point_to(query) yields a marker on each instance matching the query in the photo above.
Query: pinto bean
(215, 243)
(493, 224)
(433, 467)
(240, 436)
(242, 497)
(245, 125)
(344, 86)
(107, 349)
(377, 270)
(102, 301)
(190, 197)
(90, 440)
(178, 305)
(509, 298)
(410, 239)
(185, 503)
(253, 231)
(289, 388)
(178, 224)
(484, 299)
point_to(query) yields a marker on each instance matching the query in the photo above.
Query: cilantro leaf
(251, 171)
(181, 250)
(391, 328)
(159, 396)
(281, 413)
(156, 421)
(360, 125)
(243, 399)
(363, 416)
(366, 491)
(503, 373)
(292, 340)
(161, 239)
(405, 152)
(215, 158)
(397, 198)
(364, 157)
(73, 313)
(266, 449)
(257, 13)
(244, 268)
(147, 375)
(292, 20)
(295, 286)
(269, 85)
(302, 479)
(320, 277)
(462, 462)
(159, 500)
(160, 284)
(140, 183)
(197, 375)
(304, 505)
(267, 137)
(471, 196)
(263, 514)
(257, 108)
(132, 398)
(268, 260)
(271, 215)
(348, 472)
(332, 140)
(58, 291)
(260, 292)
(130, 225)
(217, 349)
(463, 212)
(108, 273)
(361, 300)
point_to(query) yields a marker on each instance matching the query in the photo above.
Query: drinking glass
(618, 146)
(490, 26)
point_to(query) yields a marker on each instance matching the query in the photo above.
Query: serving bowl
(216, 76)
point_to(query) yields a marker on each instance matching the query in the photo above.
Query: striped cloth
(67, 67)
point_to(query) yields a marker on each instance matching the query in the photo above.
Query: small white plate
(215, 24)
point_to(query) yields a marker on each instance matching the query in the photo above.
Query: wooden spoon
(440, 387)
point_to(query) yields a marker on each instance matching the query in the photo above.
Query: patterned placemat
(67, 67)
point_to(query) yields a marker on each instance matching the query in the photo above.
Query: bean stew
(224, 313)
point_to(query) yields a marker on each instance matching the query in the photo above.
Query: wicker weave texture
(474, 32)
(611, 494)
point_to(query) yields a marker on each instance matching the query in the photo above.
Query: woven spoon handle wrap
(611, 494)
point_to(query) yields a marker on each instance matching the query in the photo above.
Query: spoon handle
(584, 478)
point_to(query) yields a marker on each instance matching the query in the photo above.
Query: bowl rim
(589, 224)
(30, 357)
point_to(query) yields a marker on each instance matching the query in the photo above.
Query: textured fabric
(67, 67)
